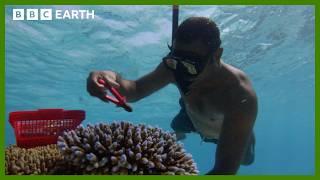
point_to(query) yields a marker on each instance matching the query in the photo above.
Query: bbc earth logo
(50, 14)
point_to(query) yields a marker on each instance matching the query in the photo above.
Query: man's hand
(96, 89)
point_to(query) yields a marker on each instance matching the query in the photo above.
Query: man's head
(199, 30)
(199, 37)
(195, 46)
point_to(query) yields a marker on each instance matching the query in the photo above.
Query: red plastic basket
(42, 127)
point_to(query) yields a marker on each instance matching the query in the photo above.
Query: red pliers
(119, 100)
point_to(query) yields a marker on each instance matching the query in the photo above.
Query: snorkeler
(217, 100)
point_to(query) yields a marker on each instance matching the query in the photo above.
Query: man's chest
(206, 118)
(206, 101)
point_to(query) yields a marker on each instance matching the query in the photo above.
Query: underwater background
(47, 63)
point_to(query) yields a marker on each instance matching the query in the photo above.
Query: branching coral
(118, 148)
(39, 160)
(124, 148)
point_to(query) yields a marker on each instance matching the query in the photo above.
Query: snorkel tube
(175, 21)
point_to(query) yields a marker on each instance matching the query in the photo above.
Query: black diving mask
(186, 67)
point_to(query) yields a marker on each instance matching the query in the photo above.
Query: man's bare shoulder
(242, 86)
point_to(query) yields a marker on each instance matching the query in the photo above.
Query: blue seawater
(47, 63)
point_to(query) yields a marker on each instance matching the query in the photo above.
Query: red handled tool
(119, 100)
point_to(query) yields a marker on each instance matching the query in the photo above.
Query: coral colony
(39, 160)
(118, 148)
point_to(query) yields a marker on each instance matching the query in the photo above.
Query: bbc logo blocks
(49, 14)
(32, 14)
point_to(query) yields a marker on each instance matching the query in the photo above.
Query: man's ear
(217, 55)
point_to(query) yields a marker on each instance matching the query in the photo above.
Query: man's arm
(146, 85)
(236, 131)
